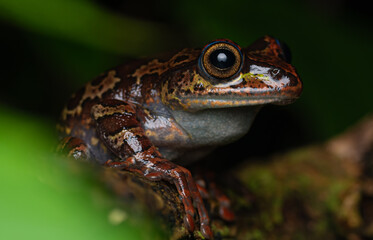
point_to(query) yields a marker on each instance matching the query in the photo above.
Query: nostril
(275, 71)
(275, 74)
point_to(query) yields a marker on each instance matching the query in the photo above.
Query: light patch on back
(155, 66)
(90, 92)
(100, 111)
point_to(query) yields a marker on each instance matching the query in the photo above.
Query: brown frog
(145, 114)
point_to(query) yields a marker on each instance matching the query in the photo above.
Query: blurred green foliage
(44, 197)
(49, 48)
(83, 22)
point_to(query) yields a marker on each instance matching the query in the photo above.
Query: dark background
(50, 48)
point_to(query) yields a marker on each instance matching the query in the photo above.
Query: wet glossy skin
(142, 115)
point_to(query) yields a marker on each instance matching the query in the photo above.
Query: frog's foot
(225, 211)
(73, 147)
(157, 169)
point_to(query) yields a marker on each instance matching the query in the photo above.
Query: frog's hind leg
(211, 190)
(74, 147)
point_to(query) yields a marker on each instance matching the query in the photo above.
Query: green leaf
(46, 197)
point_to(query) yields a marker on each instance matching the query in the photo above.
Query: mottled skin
(142, 115)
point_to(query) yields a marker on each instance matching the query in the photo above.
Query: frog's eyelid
(227, 41)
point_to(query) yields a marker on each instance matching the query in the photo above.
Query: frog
(153, 116)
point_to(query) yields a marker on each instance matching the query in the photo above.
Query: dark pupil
(222, 58)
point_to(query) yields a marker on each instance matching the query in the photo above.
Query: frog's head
(223, 75)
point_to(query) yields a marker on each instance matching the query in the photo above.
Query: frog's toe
(190, 193)
(201, 185)
(226, 213)
(209, 190)
(189, 222)
(206, 231)
(225, 210)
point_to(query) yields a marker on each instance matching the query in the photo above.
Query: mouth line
(201, 102)
(245, 98)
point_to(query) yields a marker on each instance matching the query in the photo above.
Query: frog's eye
(221, 60)
(285, 51)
